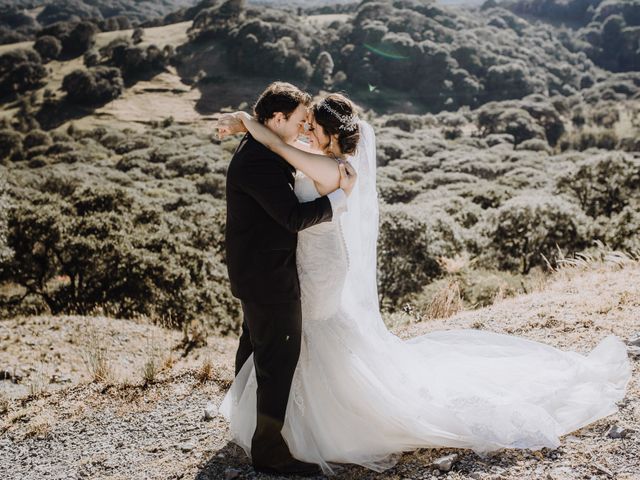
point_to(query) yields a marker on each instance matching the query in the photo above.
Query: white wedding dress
(361, 395)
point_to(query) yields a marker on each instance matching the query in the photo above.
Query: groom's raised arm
(268, 184)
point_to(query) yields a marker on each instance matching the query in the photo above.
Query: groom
(263, 218)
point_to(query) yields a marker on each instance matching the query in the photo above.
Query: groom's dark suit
(263, 218)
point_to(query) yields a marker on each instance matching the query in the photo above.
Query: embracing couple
(319, 378)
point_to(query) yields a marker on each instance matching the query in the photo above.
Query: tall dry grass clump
(95, 353)
(600, 257)
(446, 302)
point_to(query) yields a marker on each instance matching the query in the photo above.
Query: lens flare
(382, 53)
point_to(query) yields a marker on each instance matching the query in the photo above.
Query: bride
(360, 394)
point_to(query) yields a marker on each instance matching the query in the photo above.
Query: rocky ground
(56, 423)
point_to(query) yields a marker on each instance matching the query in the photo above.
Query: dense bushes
(84, 245)
(529, 228)
(607, 31)
(410, 243)
(20, 70)
(102, 248)
(75, 37)
(602, 184)
(48, 47)
(94, 86)
(133, 61)
(438, 57)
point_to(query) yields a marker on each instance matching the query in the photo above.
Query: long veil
(360, 227)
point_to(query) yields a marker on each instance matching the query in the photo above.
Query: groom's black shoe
(293, 467)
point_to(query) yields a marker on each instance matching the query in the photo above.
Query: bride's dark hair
(347, 137)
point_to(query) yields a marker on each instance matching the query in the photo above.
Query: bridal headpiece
(348, 123)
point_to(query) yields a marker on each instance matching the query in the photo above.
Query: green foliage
(48, 46)
(605, 30)
(134, 62)
(435, 57)
(622, 229)
(10, 144)
(94, 86)
(20, 70)
(530, 226)
(411, 241)
(513, 121)
(102, 248)
(602, 184)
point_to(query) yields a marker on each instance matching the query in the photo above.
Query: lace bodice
(321, 258)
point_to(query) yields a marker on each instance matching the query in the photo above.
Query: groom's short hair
(279, 97)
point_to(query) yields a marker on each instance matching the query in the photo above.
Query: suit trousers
(272, 332)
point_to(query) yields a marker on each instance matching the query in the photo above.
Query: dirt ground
(57, 423)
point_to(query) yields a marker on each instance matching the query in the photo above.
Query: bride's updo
(336, 114)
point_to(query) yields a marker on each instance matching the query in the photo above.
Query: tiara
(347, 122)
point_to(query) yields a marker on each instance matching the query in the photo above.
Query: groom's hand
(348, 177)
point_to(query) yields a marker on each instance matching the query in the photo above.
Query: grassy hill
(147, 417)
(485, 191)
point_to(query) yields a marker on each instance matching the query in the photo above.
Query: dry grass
(95, 354)
(38, 381)
(600, 258)
(446, 302)
(206, 372)
(155, 361)
(40, 427)
(455, 264)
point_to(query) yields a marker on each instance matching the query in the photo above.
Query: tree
(49, 47)
(10, 143)
(323, 69)
(21, 70)
(80, 39)
(94, 86)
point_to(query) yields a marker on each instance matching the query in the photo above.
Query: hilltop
(122, 428)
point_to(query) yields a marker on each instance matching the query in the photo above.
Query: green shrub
(36, 138)
(478, 287)
(48, 47)
(21, 70)
(623, 228)
(10, 143)
(602, 184)
(530, 226)
(100, 247)
(95, 86)
(410, 243)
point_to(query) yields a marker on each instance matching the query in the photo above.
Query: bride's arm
(320, 168)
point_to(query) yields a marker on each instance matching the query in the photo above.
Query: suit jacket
(264, 217)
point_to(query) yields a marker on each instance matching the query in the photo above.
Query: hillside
(500, 150)
(122, 429)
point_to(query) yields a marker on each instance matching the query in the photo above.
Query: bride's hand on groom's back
(348, 177)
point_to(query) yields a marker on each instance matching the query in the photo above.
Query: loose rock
(617, 432)
(444, 464)
(187, 446)
(231, 473)
(210, 411)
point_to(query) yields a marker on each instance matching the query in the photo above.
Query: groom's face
(290, 128)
